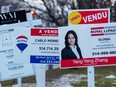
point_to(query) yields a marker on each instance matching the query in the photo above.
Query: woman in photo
(71, 50)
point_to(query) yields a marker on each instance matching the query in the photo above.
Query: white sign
(5, 9)
(95, 45)
(37, 45)
(9, 68)
(22, 43)
(45, 43)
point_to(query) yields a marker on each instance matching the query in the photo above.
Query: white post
(40, 70)
(0, 84)
(19, 82)
(29, 18)
(0, 80)
(91, 79)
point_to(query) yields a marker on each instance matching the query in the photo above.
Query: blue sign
(44, 59)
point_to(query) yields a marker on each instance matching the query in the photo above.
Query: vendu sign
(93, 16)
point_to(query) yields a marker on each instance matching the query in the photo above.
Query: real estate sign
(88, 16)
(37, 45)
(96, 43)
(9, 68)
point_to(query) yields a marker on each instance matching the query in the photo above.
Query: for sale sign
(90, 16)
(93, 45)
(9, 67)
(45, 43)
(37, 45)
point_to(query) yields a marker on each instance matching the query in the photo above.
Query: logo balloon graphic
(22, 42)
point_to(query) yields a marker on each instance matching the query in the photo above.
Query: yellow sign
(75, 17)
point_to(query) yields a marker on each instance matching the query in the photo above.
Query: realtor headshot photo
(71, 49)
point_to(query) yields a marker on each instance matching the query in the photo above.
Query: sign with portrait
(37, 45)
(82, 46)
(88, 16)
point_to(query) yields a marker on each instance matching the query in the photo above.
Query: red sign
(100, 61)
(44, 32)
(89, 16)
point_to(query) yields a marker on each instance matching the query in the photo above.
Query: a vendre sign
(90, 16)
(37, 45)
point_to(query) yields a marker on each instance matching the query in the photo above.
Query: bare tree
(55, 12)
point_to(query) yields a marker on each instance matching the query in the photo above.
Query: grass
(100, 73)
(100, 81)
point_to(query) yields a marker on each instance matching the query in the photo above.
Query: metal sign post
(40, 71)
(19, 82)
(91, 79)
(0, 84)
(33, 23)
(29, 19)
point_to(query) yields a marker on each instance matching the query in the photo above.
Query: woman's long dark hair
(76, 41)
(75, 36)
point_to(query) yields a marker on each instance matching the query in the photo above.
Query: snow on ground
(110, 76)
(63, 81)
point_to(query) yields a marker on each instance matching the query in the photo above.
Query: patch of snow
(62, 81)
(110, 76)
(65, 80)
